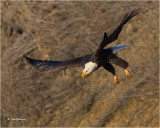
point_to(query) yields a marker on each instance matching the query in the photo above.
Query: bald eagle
(102, 57)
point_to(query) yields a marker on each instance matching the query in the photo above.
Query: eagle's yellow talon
(128, 74)
(116, 78)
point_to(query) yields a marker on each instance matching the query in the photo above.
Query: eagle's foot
(128, 74)
(116, 79)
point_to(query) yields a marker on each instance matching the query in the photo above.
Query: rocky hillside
(65, 30)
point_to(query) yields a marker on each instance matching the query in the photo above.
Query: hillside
(66, 30)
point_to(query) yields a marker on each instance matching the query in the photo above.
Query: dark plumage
(102, 57)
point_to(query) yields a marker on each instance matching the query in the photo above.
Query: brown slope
(64, 30)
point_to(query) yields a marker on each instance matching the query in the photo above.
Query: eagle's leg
(116, 78)
(128, 74)
(121, 63)
(111, 69)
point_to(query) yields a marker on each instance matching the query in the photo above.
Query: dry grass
(65, 30)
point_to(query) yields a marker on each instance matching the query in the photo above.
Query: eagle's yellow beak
(84, 74)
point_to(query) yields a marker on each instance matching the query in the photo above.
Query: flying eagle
(100, 58)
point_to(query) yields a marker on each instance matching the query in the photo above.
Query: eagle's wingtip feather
(29, 60)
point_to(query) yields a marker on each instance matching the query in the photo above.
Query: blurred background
(66, 30)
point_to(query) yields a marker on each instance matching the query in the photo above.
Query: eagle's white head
(89, 68)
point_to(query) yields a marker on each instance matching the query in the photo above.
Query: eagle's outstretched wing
(108, 39)
(45, 65)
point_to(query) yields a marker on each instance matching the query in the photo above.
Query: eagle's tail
(118, 48)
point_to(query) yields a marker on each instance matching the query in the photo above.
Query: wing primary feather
(132, 14)
(42, 65)
(124, 18)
